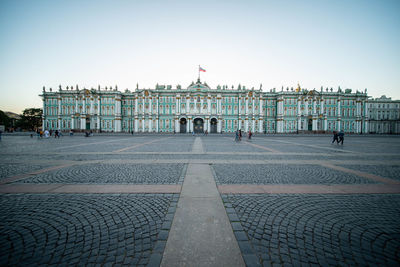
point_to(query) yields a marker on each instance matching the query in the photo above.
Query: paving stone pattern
(12, 169)
(388, 171)
(83, 229)
(282, 174)
(324, 230)
(113, 173)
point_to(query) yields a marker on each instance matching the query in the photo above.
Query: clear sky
(351, 44)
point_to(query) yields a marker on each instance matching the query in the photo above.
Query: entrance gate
(183, 123)
(213, 125)
(198, 125)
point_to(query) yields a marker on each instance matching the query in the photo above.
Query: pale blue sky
(352, 44)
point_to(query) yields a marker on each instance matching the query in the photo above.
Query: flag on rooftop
(201, 69)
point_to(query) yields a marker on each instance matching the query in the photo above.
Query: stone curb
(159, 247)
(248, 252)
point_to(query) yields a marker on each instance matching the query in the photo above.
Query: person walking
(240, 135)
(249, 135)
(237, 135)
(335, 137)
(341, 137)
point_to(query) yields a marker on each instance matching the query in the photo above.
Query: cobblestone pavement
(83, 229)
(334, 230)
(282, 174)
(325, 204)
(389, 171)
(11, 169)
(113, 173)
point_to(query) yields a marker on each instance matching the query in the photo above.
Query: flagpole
(199, 72)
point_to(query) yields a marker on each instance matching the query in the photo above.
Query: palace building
(200, 108)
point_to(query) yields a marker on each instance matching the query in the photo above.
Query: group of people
(238, 135)
(338, 137)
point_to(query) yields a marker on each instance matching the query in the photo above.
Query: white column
(157, 125)
(191, 125)
(247, 105)
(91, 106)
(83, 105)
(188, 125)
(83, 122)
(187, 105)
(98, 122)
(76, 105)
(219, 126)
(150, 125)
(261, 107)
(260, 125)
(209, 104)
(239, 107)
(208, 124)
(177, 125)
(299, 107)
(253, 108)
(322, 110)
(143, 124)
(253, 127)
(240, 124)
(158, 118)
(246, 125)
(201, 104)
(177, 104)
(72, 122)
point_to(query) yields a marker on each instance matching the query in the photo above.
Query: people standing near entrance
(341, 137)
(335, 137)
(250, 134)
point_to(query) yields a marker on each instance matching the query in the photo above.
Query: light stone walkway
(201, 234)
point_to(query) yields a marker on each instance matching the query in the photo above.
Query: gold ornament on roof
(298, 89)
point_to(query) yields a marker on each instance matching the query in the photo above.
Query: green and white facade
(199, 108)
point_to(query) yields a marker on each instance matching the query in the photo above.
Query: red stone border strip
(258, 146)
(26, 175)
(94, 143)
(89, 189)
(263, 147)
(138, 145)
(362, 174)
(309, 189)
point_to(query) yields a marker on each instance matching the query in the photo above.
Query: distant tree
(4, 119)
(31, 119)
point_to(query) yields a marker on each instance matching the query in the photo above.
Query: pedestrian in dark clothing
(341, 137)
(335, 137)
(240, 135)
(56, 134)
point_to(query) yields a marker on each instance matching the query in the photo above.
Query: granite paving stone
(330, 230)
(46, 229)
(101, 173)
(283, 174)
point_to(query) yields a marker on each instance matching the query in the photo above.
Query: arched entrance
(198, 125)
(213, 125)
(310, 124)
(87, 123)
(182, 123)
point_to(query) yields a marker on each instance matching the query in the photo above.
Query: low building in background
(199, 108)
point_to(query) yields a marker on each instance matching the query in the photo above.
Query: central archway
(183, 123)
(213, 125)
(198, 125)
